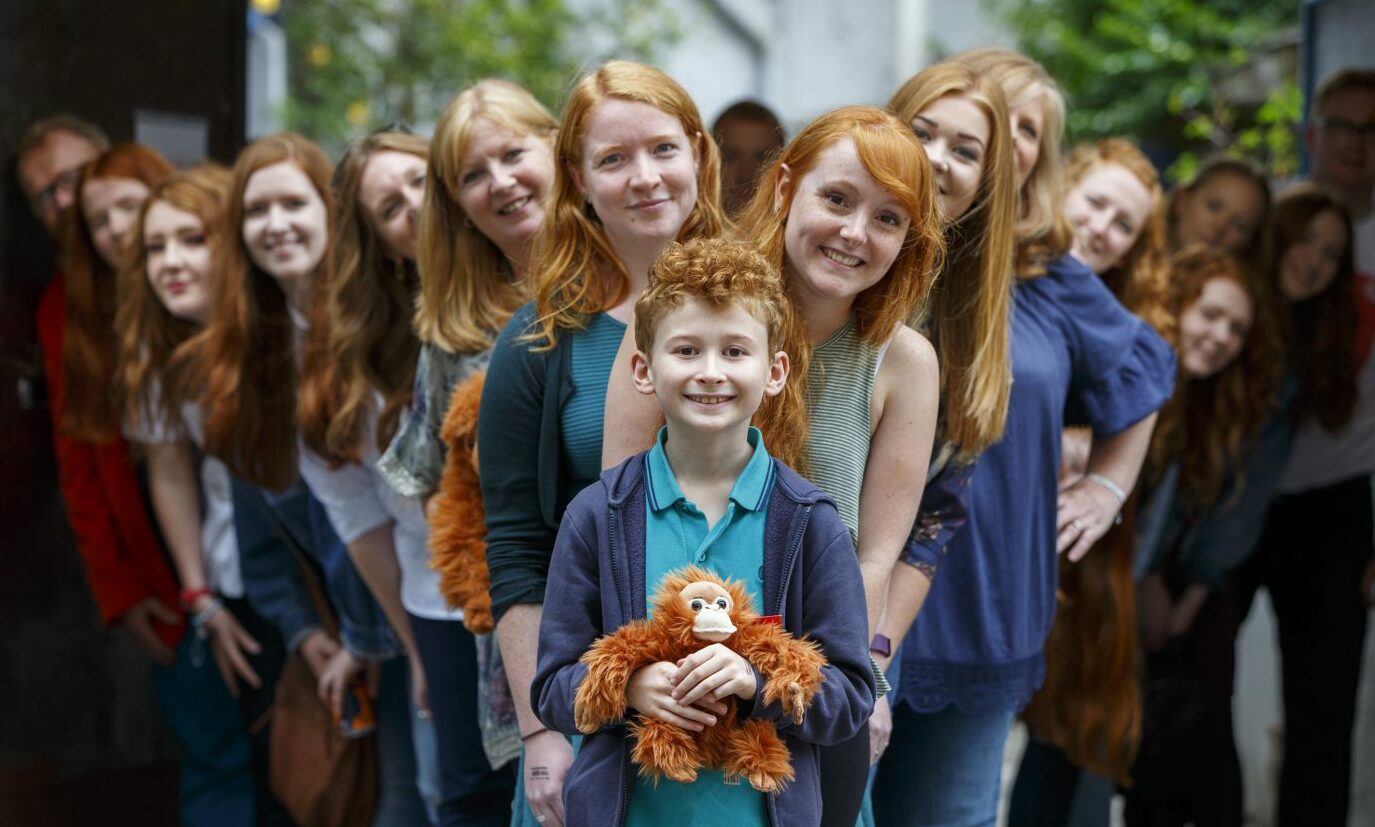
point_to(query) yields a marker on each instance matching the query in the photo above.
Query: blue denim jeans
(216, 781)
(471, 793)
(398, 795)
(941, 769)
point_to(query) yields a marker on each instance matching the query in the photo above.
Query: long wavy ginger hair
(360, 342)
(89, 344)
(156, 349)
(248, 365)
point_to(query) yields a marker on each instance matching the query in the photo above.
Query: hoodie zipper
(793, 545)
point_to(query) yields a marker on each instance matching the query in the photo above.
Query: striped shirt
(840, 387)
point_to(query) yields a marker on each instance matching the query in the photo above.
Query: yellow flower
(319, 55)
(358, 113)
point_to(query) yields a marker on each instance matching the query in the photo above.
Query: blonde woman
(490, 168)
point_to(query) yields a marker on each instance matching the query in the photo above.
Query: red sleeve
(124, 563)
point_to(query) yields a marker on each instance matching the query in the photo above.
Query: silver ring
(540, 819)
(1078, 526)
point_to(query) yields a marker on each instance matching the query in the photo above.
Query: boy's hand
(713, 673)
(650, 692)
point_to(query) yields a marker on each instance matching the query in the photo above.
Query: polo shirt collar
(750, 491)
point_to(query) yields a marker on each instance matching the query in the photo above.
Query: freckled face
(110, 207)
(710, 367)
(639, 173)
(844, 230)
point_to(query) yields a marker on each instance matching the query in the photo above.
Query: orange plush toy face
(711, 605)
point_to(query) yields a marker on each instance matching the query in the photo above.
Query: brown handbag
(322, 778)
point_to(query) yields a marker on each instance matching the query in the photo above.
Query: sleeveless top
(840, 387)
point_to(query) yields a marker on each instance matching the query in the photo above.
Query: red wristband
(190, 596)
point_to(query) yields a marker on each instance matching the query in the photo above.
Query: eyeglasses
(1343, 128)
(65, 183)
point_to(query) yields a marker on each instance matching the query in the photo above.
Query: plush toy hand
(650, 693)
(713, 673)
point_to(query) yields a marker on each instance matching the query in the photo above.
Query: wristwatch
(881, 646)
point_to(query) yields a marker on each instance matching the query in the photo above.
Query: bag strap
(314, 586)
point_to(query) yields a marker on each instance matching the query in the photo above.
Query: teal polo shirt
(676, 536)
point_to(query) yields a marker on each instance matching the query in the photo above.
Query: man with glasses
(51, 152)
(1325, 611)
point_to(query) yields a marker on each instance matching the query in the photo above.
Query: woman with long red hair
(273, 270)
(634, 169)
(1203, 457)
(1087, 714)
(127, 570)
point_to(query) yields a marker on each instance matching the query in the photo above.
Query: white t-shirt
(1319, 458)
(219, 543)
(358, 500)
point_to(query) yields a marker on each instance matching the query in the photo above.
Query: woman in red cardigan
(128, 571)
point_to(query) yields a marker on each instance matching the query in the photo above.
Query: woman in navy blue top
(974, 656)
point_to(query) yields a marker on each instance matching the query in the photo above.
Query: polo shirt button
(761, 573)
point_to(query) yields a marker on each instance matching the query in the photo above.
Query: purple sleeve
(943, 512)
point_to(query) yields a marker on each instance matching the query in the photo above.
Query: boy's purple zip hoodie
(597, 584)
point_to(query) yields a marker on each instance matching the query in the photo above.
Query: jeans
(1051, 791)
(216, 781)
(471, 792)
(398, 796)
(941, 769)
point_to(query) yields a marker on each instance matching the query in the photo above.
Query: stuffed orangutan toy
(693, 609)
(457, 520)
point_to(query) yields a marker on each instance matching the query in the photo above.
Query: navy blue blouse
(1078, 357)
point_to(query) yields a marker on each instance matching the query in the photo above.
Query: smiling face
(502, 183)
(955, 133)
(639, 174)
(1310, 264)
(285, 224)
(178, 261)
(1108, 208)
(1213, 329)
(389, 194)
(1222, 212)
(110, 207)
(709, 367)
(843, 230)
(1028, 124)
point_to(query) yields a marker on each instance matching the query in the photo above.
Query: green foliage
(1153, 70)
(355, 65)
